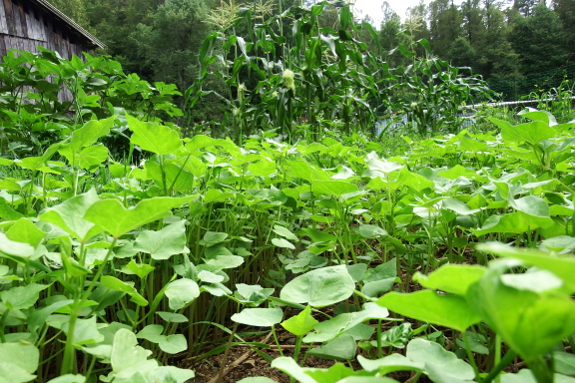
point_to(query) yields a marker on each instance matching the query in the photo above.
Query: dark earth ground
(243, 362)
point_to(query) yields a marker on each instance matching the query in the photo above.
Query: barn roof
(91, 40)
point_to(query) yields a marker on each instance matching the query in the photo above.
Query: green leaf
(516, 223)
(38, 317)
(92, 156)
(152, 332)
(561, 266)
(282, 231)
(171, 374)
(173, 344)
(127, 356)
(531, 205)
(85, 332)
(182, 292)
(19, 249)
(209, 277)
(69, 378)
(537, 281)
(456, 172)
(12, 373)
(454, 279)
(20, 355)
(530, 323)
(397, 336)
(531, 132)
(380, 279)
(114, 283)
(300, 324)
(320, 287)
(341, 348)
(378, 168)
(264, 317)
(111, 215)
(141, 270)
(7, 213)
(22, 297)
(90, 133)
(291, 368)
(335, 373)
(154, 138)
(335, 188)
(428, 306)
(441, 365)
(564, 362)
(162, 244)
(341, 323)
(69, 216)
(526, 376)
(539, 115)
(23, 230)
(212, 238)
(280, 242)
(391, 363)
(371, 231)
(226, 261)
(172, 317)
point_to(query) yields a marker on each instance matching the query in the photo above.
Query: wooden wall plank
(17, 23)
(21, 20)
(3, 24)
(22, 15)
(9, 17)
(3, 50)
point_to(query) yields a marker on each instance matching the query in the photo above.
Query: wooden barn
(26, 24)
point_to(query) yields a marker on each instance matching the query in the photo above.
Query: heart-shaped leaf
(320, 287)
(111, 215)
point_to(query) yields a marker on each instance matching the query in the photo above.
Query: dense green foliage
(127, 243)
(114, 268)
(519, 47)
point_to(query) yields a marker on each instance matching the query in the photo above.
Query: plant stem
(225, 357)
(280, 350)
(500, 366)
(470, 355)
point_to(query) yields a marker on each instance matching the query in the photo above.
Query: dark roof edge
(49, 7)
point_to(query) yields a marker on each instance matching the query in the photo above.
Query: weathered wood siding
(24, 26)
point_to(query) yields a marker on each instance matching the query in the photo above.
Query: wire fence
(517, 88)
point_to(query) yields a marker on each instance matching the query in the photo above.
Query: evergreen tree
(473, 26)
(496, 57)
(114, 20)
(74, 9)
(538, 39)
(445, 26)
(168, 47)
(565, 9)
(462, 54)
(525, 7)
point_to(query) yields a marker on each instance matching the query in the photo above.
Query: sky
(373, 8)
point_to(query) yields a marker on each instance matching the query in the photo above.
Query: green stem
(542, 369)
(470, 355)
(2, 324)
(497, 354)
(379, 349)
(500, 366)
(297, 349)
(225, 357)
(275, 335)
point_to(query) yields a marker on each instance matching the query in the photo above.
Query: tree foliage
(499, 40)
